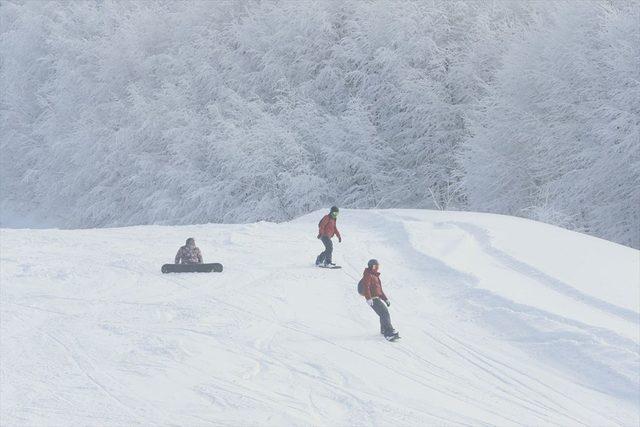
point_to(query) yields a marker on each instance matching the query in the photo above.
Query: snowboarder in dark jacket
(189, 253)
(377, 300)
(326, 230)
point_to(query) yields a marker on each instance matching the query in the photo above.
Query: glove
(339, 239)
(370, 302)
(388, 303)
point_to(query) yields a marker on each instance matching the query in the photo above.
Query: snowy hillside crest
(505, 321)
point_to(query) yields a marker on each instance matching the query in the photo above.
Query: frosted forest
(118, 113)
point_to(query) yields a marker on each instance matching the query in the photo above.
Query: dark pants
(385, 318)
(328, 251)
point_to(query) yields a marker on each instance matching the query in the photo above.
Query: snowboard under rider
(189, 253)
(326, 230)
(377, 300)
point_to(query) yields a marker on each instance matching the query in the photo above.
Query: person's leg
(385, 318)
(323, 255)
(328, 251)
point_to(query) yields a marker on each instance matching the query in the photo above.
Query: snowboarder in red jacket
(377, 300)
(326, 230)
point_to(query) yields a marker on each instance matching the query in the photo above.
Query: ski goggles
(334, 214)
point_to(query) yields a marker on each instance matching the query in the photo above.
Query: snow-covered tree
(557, 139)
(118, 112)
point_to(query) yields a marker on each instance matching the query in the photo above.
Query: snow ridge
(496, 329)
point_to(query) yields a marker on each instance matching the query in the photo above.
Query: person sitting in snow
(327, 229)
(189, 253)
(377, 300)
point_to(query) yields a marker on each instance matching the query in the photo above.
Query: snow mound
(504, 321)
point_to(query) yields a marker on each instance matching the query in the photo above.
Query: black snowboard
(192, 268)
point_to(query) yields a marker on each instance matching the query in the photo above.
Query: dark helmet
(334, 209)
(372, 262)
(191, 242)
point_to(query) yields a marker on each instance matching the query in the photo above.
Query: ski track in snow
(92, 333)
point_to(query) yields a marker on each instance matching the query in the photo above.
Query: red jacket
(372, 285)
(328, 228)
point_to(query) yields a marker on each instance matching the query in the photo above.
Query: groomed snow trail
(504, 322)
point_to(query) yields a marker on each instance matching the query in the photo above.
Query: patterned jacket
(188, 255)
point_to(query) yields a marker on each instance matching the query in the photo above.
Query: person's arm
(382, 294)
(322, 225)
(178, 256)
(338, 233)
(199, 257)
(367, 287)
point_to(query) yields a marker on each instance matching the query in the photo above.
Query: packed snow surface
(503, 321)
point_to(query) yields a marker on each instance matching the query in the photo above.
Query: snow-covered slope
(504, 321)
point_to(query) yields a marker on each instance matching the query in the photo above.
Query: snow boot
(392, 335)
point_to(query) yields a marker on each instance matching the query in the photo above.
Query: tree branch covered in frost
(117, 113)
(558, 137)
